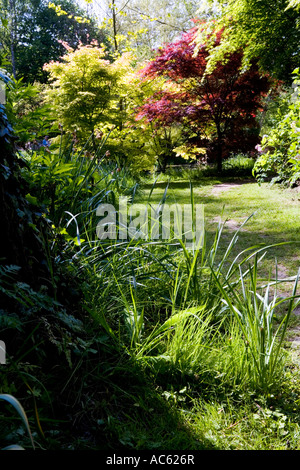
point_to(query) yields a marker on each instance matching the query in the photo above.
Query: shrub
(280, 156)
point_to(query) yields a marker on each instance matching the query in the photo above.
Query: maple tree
(217, 110)
(86, 90)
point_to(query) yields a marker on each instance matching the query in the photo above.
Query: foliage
(266, 31)
(18, 216)
(131, 148)
(217, 110)
(281, 146)
(93, 99)
(239, 165)
(85, 90)
(69, 181)
(35, 32)
(254, 312)
(128, 144)
(29, 115)
(5, 126)
(142, 25)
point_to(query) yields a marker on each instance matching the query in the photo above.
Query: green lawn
(276, 214)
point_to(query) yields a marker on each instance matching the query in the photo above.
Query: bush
(280, 150)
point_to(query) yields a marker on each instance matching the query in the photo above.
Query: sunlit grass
(276, 214)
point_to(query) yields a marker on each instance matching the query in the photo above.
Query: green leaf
(31, 199)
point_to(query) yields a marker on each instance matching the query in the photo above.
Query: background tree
(35, 30)
(266, 31)
(218, 110)
(144, 25)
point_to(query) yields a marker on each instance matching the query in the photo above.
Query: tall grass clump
(185, 347)
(191, 311)
(253, 310)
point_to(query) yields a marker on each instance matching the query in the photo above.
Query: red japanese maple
(225, 101)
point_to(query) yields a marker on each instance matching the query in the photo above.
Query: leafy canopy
(266, 31)
(34, 31)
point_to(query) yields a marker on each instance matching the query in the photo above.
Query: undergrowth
(139, 344)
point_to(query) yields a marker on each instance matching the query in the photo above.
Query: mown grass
(276, 213)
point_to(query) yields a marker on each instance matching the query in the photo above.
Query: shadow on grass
(275, 217)
(119, 412)
(173, 185)
(209, 181)
(283, 255)
(136, 416)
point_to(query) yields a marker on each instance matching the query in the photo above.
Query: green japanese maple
(86, 90)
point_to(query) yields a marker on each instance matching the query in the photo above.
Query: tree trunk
(219, 150)
(12, 12)
(162, 164)
(113, 6)
(219, 159)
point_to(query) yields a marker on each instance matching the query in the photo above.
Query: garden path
(218, 188)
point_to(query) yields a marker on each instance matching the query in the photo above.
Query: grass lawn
(276, 215)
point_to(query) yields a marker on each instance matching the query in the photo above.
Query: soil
(218, 188)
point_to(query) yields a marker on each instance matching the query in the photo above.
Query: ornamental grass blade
(13, 447)
(18, 407)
